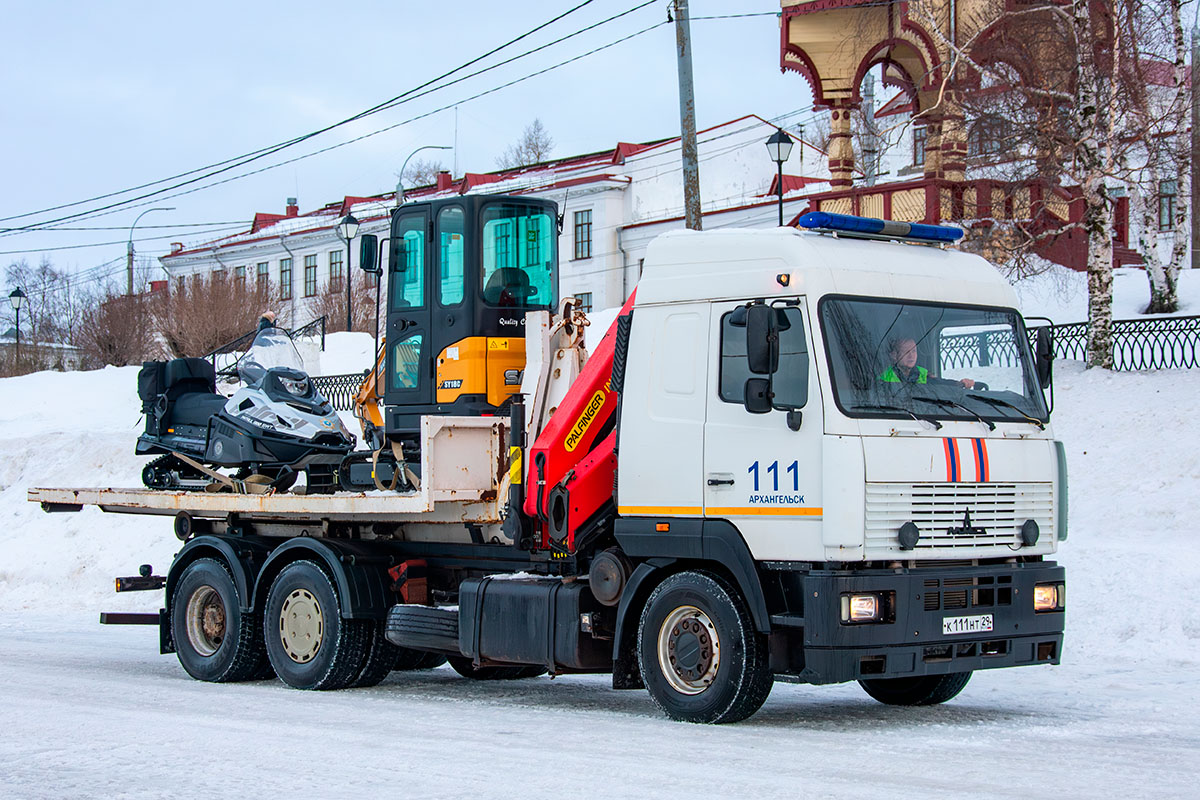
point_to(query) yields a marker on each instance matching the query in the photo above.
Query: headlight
(296, 387)
(1048, 596)
(861, 608)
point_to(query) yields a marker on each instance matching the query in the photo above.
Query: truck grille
(997, 511)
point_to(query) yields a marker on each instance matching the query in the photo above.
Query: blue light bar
(912, 231)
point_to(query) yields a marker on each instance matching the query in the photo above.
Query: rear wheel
(213, 639)
(925, 690)
(700, 656)
(465, 667)
(310, 644)
(381, 658)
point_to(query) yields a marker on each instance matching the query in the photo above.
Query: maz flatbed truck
(815, 456)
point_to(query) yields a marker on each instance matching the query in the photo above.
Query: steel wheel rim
(301, 626)
(205, 615)
(689, 650)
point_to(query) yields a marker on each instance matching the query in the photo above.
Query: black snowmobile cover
(151, 378)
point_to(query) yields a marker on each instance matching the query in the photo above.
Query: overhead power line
(109, 244)
(232, 163)
(158, 196)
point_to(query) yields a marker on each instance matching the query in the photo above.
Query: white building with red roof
(612, 202)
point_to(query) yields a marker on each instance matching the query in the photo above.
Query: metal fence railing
(339, 389)
(1138, 344)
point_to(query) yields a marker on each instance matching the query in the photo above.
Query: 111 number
(773, 471)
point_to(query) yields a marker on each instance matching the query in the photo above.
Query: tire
(410, 660)
(925, 690)
(310, 644)
(381, 658)
(700, 656)
(464, 666)
(214, 640)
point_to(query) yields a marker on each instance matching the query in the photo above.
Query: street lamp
(129, 248)
(17, 298)
(400, 179)
(779, 147)
(347, 228)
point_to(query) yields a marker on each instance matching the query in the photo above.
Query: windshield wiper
(995, 401)
(938, 401)
(877, 407)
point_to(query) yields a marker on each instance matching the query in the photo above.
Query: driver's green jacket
(891, 376)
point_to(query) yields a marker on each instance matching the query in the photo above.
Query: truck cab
(867, 419)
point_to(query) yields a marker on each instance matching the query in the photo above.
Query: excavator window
(519, 255)
(406, 362)
(408, 286)
(451, 275)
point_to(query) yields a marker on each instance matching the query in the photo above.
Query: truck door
(759, 474)
(409, 361)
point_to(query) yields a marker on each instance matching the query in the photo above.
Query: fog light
(1045, 597)
(861, 608)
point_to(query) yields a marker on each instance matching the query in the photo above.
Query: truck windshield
(903, 358)
(519, 256)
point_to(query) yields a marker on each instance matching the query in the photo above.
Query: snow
(96, 711)
(1061, 294)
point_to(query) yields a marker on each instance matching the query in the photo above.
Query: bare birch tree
(533, 147)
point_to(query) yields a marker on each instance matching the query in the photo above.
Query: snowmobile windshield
(272, 348)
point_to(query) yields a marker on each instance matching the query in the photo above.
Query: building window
(583, 234)
(285, 279)
(180, 284)
(336, 276)
(919, 137)
(503, 243)
(987, 136)
(261, 276)
(310, 276)
(239, 275)
(1166, 205)
(585, 301)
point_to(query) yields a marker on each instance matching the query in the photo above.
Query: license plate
(980, 623)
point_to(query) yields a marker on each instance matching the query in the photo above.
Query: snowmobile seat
(188, 375)
(196, 408)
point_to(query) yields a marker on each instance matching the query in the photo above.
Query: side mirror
(762, 339)
(757, 396)
(368, 253)
(1044, 356)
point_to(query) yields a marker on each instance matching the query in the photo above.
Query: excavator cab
(461, 274)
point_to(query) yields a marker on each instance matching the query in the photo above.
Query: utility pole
(1195, 150)
(687, 118)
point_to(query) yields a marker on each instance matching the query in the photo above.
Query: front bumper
(816, 647)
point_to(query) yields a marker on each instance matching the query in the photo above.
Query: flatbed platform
(461, 484)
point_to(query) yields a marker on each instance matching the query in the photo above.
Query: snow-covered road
(96, 712)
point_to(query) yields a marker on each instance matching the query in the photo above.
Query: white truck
(814, 455)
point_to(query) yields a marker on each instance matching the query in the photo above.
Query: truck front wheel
(213, 639)
(925, 690)
(700, 656)
(310, 644)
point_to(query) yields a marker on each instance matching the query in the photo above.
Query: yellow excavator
(461, 273)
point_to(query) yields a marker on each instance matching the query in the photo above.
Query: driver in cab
(904, 368)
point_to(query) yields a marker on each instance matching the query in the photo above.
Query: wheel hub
(301, 626)
(205, 620)
(689, 650)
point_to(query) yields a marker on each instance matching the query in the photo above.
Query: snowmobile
(272, 429)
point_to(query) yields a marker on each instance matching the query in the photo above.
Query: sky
(99, 98)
